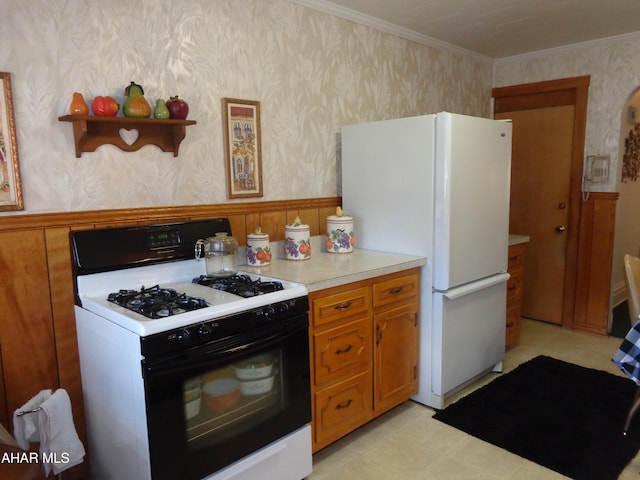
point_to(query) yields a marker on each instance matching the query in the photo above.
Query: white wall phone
(596, 170)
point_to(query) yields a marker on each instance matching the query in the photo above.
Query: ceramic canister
(297, 244)
(258, 251)
(340, 238)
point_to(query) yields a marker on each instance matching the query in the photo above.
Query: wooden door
(540, 196)
(548, 148)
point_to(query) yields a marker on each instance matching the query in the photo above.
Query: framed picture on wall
(10, 185)
(243, 153)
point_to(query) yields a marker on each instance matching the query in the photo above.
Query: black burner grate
(155, 302)
(241, 285)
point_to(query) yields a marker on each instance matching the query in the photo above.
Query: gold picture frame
(10, 184)
(242, 147)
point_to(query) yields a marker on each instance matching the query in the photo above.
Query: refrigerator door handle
(457, 292)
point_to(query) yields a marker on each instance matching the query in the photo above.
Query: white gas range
(155, 376)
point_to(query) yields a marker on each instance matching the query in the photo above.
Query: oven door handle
(212, 352)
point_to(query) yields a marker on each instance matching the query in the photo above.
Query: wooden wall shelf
(90, 132)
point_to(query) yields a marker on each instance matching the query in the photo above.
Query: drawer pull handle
(344, 350)
(512, 287)
(344, 405)
(513, 258)
(396, 290)
(343, 306)
(509, 325)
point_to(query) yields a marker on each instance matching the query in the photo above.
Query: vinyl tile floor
(407, 444)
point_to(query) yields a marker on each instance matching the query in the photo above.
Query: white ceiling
(492, 28)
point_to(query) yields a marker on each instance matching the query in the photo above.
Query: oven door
(214, 404)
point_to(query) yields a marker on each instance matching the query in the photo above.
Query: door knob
(560, 229)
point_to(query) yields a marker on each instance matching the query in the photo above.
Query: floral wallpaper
(311, 72)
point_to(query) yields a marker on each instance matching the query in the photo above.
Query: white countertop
(326, 270)
(518, 239)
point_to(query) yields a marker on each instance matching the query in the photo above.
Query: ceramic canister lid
(258, 235)
(297, 225)
(340, 219)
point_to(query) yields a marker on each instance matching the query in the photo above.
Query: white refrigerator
(438, 186)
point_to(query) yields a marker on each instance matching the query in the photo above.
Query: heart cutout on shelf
(129, 136)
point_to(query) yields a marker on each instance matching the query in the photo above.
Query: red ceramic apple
(178, 108)
(105, 106)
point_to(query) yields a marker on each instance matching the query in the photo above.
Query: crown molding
(386, 27)
(380, 25)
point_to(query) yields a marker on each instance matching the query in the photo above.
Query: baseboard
(619, 293)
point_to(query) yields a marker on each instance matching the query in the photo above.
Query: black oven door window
(212, 405)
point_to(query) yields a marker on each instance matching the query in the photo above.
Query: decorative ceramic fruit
(135, 104)
(105, 106)
(178, 108)
(161, 111)
(78, 105)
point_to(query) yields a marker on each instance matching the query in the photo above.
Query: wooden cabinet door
(395, 356)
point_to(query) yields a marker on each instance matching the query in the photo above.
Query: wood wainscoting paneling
(595, 258)
(26, 324)
(38, 347)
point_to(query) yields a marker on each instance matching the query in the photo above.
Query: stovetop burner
(155, 302)
(241, 285)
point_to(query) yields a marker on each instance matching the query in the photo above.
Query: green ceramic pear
(161, 111)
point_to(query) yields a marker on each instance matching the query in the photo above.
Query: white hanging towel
(25, 420)
(60, 447)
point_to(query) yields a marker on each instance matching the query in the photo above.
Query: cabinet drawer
(513, 325)
(395, 289)
(514, 287)
(516, 257)
(342, 351)
(340, 306)
(342, 408)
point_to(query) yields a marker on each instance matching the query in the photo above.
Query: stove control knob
(269, 311)
(183, 336)
(283, 307)
(204, 330)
